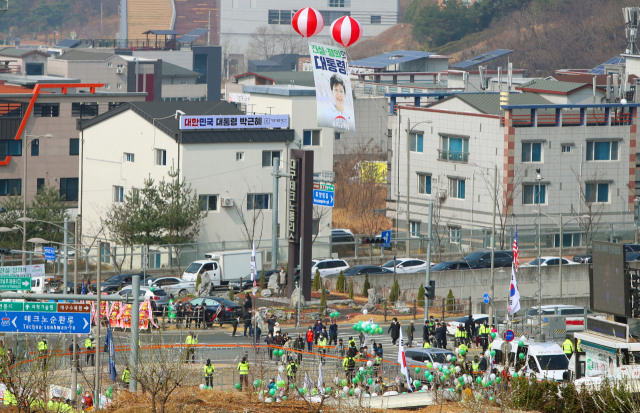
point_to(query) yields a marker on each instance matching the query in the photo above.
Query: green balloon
(493, 353)
(490, 398)
(355, 380)
(152, 288)
(463, 352)
(327, 390)
(284, 398)
(521, 356)
(453, 359)
(429, 365)
(478, 380)
(238, 386)
(343, 382)
(520, 343)
(430, 378)
(460, 380)
(350, 392)
(292, 385)
(355, 327)
(416, 383)
(272, 392)
(369, 381)
(302, 390)
(417, 370)
(493, 335)
(515, 375)
(256, 383)
(498, 379)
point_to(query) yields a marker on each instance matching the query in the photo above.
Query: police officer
(42, 349)
(426, 344)
(377, 366)
(578, 349)
(567, 347)
(192, 340)
(208, 373)
(461, 335)
(484, 332)
(292, 369)
(243, 369)
(475, 365)
(349, 365)
(91, 355)
(322, 343)
(126, 376)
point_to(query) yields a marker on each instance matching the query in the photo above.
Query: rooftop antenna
(631, 17)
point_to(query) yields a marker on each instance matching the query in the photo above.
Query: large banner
(333, 87)
(22, 271)
(234, 122)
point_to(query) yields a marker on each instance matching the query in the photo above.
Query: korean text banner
(22, 271)
(333, 87)
(234, 122)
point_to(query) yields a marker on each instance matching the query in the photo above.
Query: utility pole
(540, 336)
(493, 241)
(65, 264)
(274, 224)
(135, 337)
(408, 172)
(74, 378)
(96, 387)
(101, 36)
(560, 263)
(209, 30)
(426, 300)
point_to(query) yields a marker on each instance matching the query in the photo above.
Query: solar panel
(192, 35)
(599, 70)
(68, 43)
(391, 58)
(481, 59)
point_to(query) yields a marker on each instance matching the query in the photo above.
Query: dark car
(232, 310)
(450, 266)
(482, 259)
(247, 283)
(116, 282)
(588, 257)
(365, 269)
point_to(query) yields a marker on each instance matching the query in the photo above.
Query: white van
(223, 267)
(544, 361)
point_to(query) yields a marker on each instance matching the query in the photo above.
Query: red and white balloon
(308, 22)
(346, 31)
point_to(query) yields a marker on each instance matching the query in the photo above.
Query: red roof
(8, 89)
(601, 80)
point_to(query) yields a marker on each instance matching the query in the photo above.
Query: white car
(547, 261)
(407, 265)
(452, 326)
(175, 286)
(328, 266)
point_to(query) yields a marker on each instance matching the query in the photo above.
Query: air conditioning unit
(119, 71)
(227, 202)
(442, 193)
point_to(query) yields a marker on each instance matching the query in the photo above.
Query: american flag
(516, 261)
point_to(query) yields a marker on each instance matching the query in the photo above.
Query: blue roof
(599, 70)
(68, 43)
(481, 59)
(392, 58)
(192, 35)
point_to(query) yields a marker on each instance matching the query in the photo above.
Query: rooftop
(34, 80)
(170, 70)
(393, 58)
(14, 52)
(284, 90)
(489, 103)
(82, 55)
(68, 43)
(9, 89)
(552, 86)
(285, 78)
(483, 58)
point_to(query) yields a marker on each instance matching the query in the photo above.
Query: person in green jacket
(172, 309)
(322, 343)
(126, 376)
(243, 369)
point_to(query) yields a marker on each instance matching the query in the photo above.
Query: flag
(514, 294)
(320, 380)
(83, 292)
(403, 361)
(516, 261)
(254, 269)
(108, 348)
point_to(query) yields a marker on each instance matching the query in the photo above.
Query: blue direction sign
(386, 236)
(486, 298)
(37, 322)
(49, 253)
(323, 198)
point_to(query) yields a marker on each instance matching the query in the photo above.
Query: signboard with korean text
(41, 322)
(240, 98)
(294, 196)
(15, 283)
(333, 87)
(234, 122)
(22, 271)
(323, 198)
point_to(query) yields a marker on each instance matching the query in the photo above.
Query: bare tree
(589, 207)
(267, 41)
(251, 221)
(321, 216)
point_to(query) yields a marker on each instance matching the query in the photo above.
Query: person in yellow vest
(42, 349)
(208, 373)
(322, 343)
(243, 368)
(475, 366)
(126, 376)
(460, 335)
(567, 347)
(292, 369)
(192, 340)
(377, 366)
(484, 332)
(10, 399)
(578, 349)
(349, 365)
(463, 349)
(91, 355)
(426, 344)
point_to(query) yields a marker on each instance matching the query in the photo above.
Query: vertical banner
(333, 87)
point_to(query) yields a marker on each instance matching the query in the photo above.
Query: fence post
(385, 311)
(470, 305)
(444, 302)
(414, 309)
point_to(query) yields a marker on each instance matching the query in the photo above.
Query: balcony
(589, 115)
(453, 156)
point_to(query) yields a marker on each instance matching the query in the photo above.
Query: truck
(542, 360)
(224, 266)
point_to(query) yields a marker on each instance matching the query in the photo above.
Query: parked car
(118, 281)
(588, 257)
(546, 261)
(407, 265)
(452, 326)
(450, 266)
(328, 266)
(173, 285)
(158, 298)
(634, 256)
(247, 283)
(482, 259)
(366, 269)
(342, 235)
(232, 309)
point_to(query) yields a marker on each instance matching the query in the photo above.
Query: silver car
(175, 286)
(158, 298)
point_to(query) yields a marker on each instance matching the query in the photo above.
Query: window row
(12, 147)
(285, 16)
(452, 149)
(82, 110)
(68, 187)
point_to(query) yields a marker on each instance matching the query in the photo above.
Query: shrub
(351, 289)
(198, 281)
(450, 301)
(316, 281)
(395, 292)
(421, 295)
(262, 282)
(232, 295)
(341, 283)
(323, 299)
(366, 286)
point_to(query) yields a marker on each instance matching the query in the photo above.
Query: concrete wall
(184, 91)
(372, 125)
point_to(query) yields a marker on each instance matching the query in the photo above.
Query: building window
(597, 192)
(161, 157)
(415, 229)
(69, 189)
(416, 142)
(35, 147)
(135, 193)
(74, 146)
(10, 187)
(336, 136)
(566, 148)
(269, 156)
(455, 149)
(456, 188)
(424, 184)
(208, 202)
(118, 193)
(39, 184)
(274, 17)
(107, 85)
(602, 151)
(568, 240)
(339, 3)
(119, 86)
(532, 152)
(109, 64)
(113, 105)
(376, 19)
(258, 201)
(240, 156)
(454, 234)
(530, 194)
(285, 16)
(332, 15)
(311, 138)
(10, 147)
(129, 157)
(84, 110)
(46, 110)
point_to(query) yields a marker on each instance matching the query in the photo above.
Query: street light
(561, 226)
(27, 142)
(540, 337)
(409, 129)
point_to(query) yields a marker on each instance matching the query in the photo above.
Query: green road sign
(15, 283)
(11, 306)
(42, 307)
(320, 186)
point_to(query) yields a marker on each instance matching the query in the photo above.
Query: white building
(122, 148)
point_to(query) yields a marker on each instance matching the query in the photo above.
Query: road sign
(323, 198)
(39, 322)
(485, 298)
(41, 307)
(324, 187)
(386, 236)
(49, 253)
(11, 306)
(328, 175)
(15, 283)
(74, 308)
(508, 335)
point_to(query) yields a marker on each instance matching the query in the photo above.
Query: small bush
(262, 282)
(421, 295)
(198, 281)
(450, 301)
(341, 283)
(316, 281)
(395, 292)
(323, 299)
(232, 295)
(366, 286)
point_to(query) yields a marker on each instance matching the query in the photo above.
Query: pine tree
(395, 292)
(198, 281)
(365, 288)
(323, 299)
(351, 290)
(341, 283)
(421, 295)
(232, 295)
(316, 281)
(450, 301)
